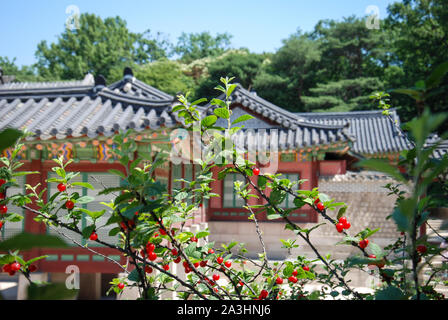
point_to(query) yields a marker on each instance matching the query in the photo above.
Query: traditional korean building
(78, 119)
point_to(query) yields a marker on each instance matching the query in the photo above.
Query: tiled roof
(372, 131)
(293, 132)
(287, 139)
(77, 108)
(442, 146)
(281, 117)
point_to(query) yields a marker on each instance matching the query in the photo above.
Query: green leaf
(52, 291)
(14, 217)
(93, 214)
(341, 212)
(87, 231)
(24, 173)
(415, 94)
(209, 121)
(84, 199)
(242, 118)
(218, 102)
(390, 293)
(35, 259)
(134, 276)
(113, 232)
(130, 213)
(202, 234)
(26, 241)
(436, 75)
(262, 180)
(117, 173)
(83, 184)
(222, 113)
(198, 101)
(376, 250)
(8, 138)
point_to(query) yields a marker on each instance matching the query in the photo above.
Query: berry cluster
(13, 267)
(319, 205)
(3, 208)
(342, 224)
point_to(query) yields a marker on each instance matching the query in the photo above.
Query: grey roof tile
(372, 132)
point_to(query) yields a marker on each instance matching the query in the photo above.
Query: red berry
(211, 251)
(15, 266)
(121, 286)
(203, 263)
(372, 256)
(316, 201)
(320, 206)
(294, 273)
(174, 252)
(156, 235)
(196, 264)
(32, 268)
(339, 227)
(2, 182)
(263, 294)
(216, 277)
(177, 260)
(6, 268)
(228, 264)
(279, 280)
(162, 232)
(152, 256)
(3, 209)
(241, 283)
(61, 187)
(148, 269)
(188, 270)
(421, 248)
(347, 225)
(219, 260)
(1, 225)
(292, 279)
(194, 239)
(150, 247)
(200, 205)
(69, 204)
(11, 273)
(185, 264)
(2, 195)
(93, 236)
(363, 243)
(166, 267)
(306, 268)
(256, 171)
(343, 220)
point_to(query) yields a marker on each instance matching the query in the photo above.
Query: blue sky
(258, 25)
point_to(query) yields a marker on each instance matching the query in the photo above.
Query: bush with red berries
(149, 224)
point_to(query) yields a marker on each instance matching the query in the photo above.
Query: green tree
(342, 95)
(349, 49)
(241, 64)
(290, 73)
(165, 75)
(192, 46)
(419, 44)
(98, 46)
(24, 73)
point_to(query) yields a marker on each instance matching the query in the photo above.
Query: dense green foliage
(334, 67)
